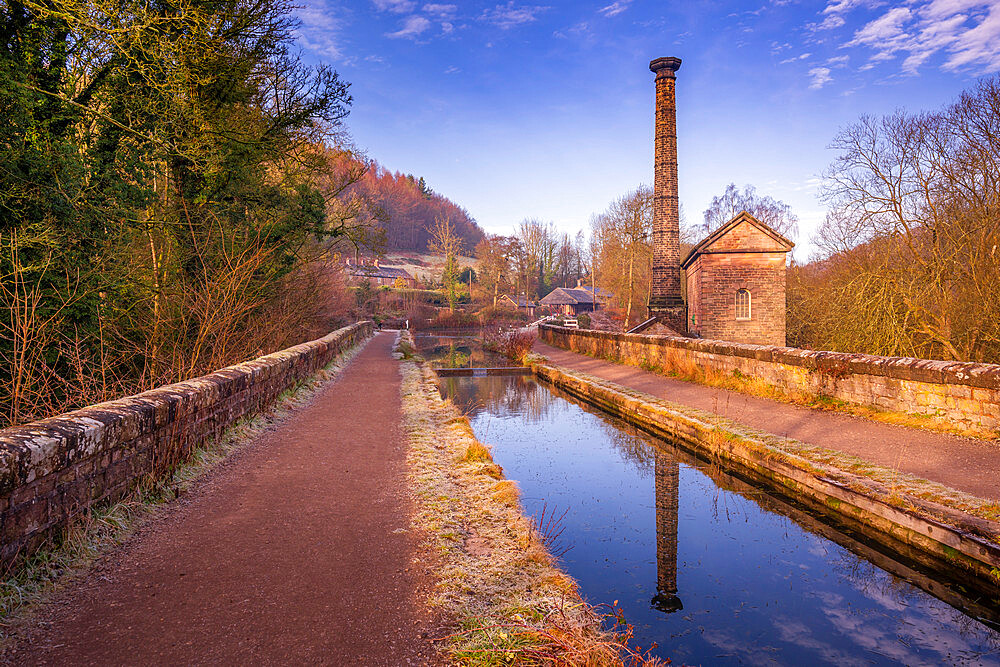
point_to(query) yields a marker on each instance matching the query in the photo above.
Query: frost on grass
(495, 574)
(104, 527)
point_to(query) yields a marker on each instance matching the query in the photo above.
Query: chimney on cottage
(665, 300)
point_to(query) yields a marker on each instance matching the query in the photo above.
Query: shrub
(515, 344)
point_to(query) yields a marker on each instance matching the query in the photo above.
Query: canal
(708, 566)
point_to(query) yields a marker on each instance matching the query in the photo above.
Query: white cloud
(615, 8)
(820, 77)
(794, 59)
(967, 32)
(443, 11)
(884, 30)
(412, 27)
(395, 6)
(510, 15)
(831, 22)
(319, 31)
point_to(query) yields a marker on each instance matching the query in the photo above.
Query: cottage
(572, 300)
(519, 302)
(736, 283)
(379, 275)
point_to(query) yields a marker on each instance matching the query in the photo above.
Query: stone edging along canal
(950, 536)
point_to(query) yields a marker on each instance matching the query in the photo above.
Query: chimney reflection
(667, 475)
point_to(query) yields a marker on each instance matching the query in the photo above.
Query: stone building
(736, 283)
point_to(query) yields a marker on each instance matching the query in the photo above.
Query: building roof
(371, 271)
(568, 296)
(520, 301)
(763, 239)
(601, 293)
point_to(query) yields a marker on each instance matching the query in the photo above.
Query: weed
(506, 492)
(477, 451)
(549, 529)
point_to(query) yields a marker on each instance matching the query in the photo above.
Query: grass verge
(495, 574)
(107, 526)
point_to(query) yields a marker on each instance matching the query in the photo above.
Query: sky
(521, 110)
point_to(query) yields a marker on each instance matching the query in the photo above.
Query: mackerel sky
(545, 110)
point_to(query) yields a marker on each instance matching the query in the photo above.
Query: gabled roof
(370, 271)
(567, 296)
(520, 301)
(777, 242)
(601, 293)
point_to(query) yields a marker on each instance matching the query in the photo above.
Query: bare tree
(446, 241)
(622, 241)
(911, 262)
(775, 214)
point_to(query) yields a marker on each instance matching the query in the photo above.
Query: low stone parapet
(54, 469)
(966, 394)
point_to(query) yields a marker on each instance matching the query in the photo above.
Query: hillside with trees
(398, 211)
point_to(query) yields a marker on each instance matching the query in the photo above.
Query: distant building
(378, 275)
(519, 301)
(736, 283)
(573, 300)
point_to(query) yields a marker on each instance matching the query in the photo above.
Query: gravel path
(294, 551)
(966, 464)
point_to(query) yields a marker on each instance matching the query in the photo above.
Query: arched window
(742, 304)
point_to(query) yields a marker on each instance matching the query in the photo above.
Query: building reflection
(667, 478)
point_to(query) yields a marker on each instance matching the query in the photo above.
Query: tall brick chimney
(665, 299)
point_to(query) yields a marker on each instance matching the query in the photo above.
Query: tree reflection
(498, 395)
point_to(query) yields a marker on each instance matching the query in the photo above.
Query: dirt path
(966, 464)
(296, 551)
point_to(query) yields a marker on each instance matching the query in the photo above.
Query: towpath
(966, 464)
(294, 551)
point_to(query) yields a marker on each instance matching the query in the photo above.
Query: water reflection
(667, 475)
(460, 348)
(707, 564)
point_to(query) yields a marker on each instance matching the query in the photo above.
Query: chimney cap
(665, 66)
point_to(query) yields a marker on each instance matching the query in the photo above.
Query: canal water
(458, 348)
(707, 566)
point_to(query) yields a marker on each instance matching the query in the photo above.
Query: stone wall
(54, 469)
(967, 394)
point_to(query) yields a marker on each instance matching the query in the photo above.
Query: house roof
(520, 301)
(370, 271)
(568, 296)
(601, 293)
(764, 239)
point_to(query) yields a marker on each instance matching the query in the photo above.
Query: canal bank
(712, 567)
(952, 529)
(717, 563)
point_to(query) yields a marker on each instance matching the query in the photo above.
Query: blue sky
(545, 109)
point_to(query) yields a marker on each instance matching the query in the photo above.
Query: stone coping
(985, 376)
(39, 448)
